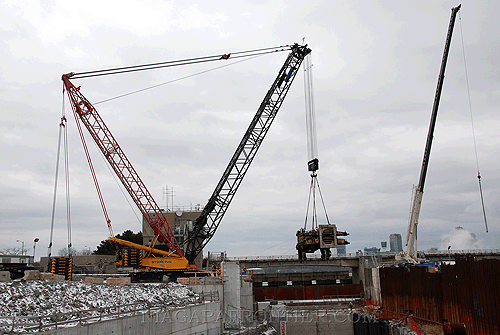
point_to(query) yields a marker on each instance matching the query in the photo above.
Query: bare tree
(65, 252)
(85, 252)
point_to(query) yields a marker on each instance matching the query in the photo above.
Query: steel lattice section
(211, 216)
(121, 165)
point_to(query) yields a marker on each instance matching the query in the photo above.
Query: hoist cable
(120, 186)
(61, 126)
(172, 81)
(135, 68)
(323, 202)
(66, 174)
(472, 125)
(308, 202)
(315, 212)
(312, 145)
(94, 176)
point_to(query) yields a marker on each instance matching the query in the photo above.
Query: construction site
(172, 283)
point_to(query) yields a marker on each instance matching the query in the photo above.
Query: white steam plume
(460, 239)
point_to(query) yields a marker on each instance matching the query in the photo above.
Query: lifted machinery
(324, 236)
(321, 238)
(179, 257)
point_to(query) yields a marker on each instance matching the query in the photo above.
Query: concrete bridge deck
(358, 261)
(352, 260)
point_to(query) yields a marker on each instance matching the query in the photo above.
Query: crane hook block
(313, 165)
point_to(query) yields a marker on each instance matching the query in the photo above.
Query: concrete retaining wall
(198, 319)
(311, 322)
(232, 295)
(372, 286)
(246, 300)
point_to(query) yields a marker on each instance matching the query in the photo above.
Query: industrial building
(180, 221)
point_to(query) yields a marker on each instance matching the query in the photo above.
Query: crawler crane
(203, 229)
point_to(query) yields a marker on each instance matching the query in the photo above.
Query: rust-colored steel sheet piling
(307, 292)
(466, 293)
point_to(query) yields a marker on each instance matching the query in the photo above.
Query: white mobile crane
(411, 238)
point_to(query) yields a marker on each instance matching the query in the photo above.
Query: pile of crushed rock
(49, 301)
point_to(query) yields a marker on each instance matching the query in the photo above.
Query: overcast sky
(375, 69)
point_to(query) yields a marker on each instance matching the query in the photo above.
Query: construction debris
(46, 299)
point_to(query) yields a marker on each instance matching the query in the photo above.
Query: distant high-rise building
(396, 244)
(341, 250)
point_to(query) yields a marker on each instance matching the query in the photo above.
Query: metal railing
(357, 254)
(286, 257)
(343, 298)
(463, 252)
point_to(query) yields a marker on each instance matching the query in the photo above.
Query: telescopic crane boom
(411, 237)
